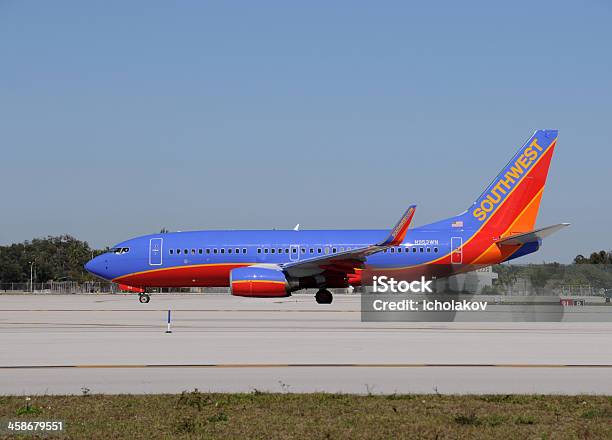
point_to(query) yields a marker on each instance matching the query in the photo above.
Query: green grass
(319, 416)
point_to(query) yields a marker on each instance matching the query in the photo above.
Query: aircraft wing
(528, 237)
(347, 261)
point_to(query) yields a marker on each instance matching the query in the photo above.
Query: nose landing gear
(324, 296)
(144, 298)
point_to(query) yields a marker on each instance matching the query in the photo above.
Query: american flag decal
(458, 224)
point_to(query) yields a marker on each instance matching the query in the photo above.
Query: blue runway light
(168, 329)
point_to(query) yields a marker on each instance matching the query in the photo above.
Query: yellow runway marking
(401, 365)
(183, 310)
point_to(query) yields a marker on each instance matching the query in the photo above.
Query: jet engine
(260, 282)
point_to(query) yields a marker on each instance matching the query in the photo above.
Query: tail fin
(511, 202)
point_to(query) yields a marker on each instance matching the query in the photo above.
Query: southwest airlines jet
(497, 227)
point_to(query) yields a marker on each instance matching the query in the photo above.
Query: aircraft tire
(144, 298)
(324, 296)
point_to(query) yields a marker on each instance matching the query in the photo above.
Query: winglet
(399, 230)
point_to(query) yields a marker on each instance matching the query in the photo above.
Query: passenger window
(318, 250)
(392, 250)
(222, 250)
(280, 251)
(244, 250)
(237, 250)
(286, 251)
(178, 251)
(334, 250)
(399, 249)
(214, 251)
(272, 250)
(326, 250)
(413, 249)
(428, 249)
(171, 251)
(266, 250)
(311, 250)
(208, 251)
(200, 251)
(341, 249)
(436, 250)
(303, 250)
(186, 251)
(193, 252)
(420, 249)
(259, 250)
(294, 250)
(229, 251)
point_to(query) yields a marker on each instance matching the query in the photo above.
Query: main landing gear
(144, 298)
(324, 296)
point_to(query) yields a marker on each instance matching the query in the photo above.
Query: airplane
(497, 227)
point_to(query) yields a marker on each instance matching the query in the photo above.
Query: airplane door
(155, 251)
(294, 250)
(456, 250)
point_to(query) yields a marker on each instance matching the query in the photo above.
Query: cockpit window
(119, 250)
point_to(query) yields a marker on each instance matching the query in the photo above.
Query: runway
(70, 344)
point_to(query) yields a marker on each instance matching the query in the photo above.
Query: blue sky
(119, 118)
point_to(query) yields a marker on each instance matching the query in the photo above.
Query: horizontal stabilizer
(529, 237)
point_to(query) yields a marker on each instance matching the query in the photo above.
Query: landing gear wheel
(144, 298)
(324, 296)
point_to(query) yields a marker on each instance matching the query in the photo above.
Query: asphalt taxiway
(69, 344)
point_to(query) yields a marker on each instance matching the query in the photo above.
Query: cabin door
(155, 251)
(294, 252)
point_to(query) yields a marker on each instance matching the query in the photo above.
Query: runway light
(168, 330)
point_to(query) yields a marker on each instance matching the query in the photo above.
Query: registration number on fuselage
(425, 242)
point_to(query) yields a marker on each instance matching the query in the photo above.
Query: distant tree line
(55, 259)
(594, 271)
(601, 257)
(62, 258)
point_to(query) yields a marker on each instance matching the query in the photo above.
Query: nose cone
(96, 267)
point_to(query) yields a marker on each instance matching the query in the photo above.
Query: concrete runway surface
(65, 344)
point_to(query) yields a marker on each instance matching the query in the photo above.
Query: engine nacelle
(259, 282)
